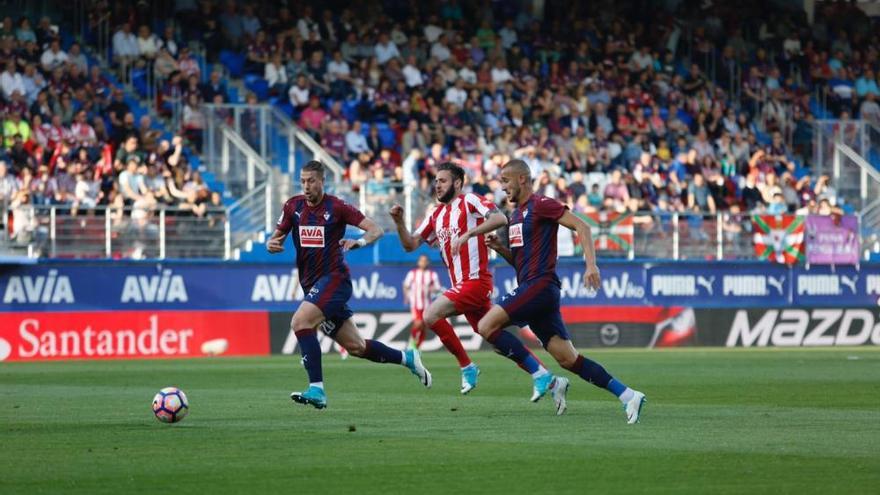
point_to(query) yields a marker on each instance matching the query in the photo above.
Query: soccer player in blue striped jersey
(317, 222)
(531, 249)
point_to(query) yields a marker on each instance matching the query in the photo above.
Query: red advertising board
(132, 334)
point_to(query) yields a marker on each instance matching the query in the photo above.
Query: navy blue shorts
(331, 294)
(536, 303)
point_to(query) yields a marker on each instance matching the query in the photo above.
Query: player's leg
(435, 318)
(524, 332)
(491, 327)
(348, 337)
(560, 347)
(417, 330)
(304, 324)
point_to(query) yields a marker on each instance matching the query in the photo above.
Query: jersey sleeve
(349, 214)
(479, 206)
(425, 230)
(435, 281)
(285, 221)
(407, 281)
(549, 208)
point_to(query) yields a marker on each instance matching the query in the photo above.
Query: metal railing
(109, 232)
(274, 136)
(844, 150)
(247, 176)
(139, 233)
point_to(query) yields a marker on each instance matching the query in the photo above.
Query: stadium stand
(709, 108)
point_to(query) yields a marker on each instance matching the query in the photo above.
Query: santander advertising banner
(132, 334)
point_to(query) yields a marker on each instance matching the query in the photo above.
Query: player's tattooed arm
(372, 232)
(407, 240)
(591, 273)
(494, 220)
(495, 243)
(276, 242)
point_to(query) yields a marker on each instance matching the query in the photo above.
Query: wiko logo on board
(163, 288)
(45, 289)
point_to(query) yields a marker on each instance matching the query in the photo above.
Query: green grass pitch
(717, 421)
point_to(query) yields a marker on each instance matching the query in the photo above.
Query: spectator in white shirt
(53, 57)
(457, 94)
(869, 109)
(439, 50)
(411, 72)
(432, 30)
(355, 142)
(385, 49)
(125, 45)
(275, 73)
(76, 57)
(500, 74)
(11, 81)
(299, 93)
(508, 34)
(467, 73)
(148, 43)
(338, 68)
(307, 25)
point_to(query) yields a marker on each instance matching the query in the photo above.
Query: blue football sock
(594, 373)
(510, 347)
(311, 354)
(381, 353)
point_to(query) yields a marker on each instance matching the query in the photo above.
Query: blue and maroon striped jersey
(316, 232)
(532, 235)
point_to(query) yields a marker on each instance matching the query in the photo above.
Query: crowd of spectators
(614, 106)
(70, 140)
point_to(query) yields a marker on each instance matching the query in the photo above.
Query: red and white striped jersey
(446, 222)
(420, 285)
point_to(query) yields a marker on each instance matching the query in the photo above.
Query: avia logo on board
(39, 289)
(277, 288)
(803, 327)
(164, 288)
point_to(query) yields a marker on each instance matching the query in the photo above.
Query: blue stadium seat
(258, 86)
(234, 62)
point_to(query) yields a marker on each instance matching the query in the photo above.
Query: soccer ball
(170, 405)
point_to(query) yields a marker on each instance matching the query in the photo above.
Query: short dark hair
(314, 166)
(456, 171)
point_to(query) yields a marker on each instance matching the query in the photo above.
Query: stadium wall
(90, 310)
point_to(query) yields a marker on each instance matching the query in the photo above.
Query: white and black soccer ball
(170, 405)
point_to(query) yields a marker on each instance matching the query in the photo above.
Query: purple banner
(833, 240)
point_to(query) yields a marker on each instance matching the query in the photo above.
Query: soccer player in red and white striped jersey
(419, 287)
(457, 226)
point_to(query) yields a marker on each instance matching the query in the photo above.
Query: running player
(532, 251)
(457, 226)
(420, 284)
(318, 222)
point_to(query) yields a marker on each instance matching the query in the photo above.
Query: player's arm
(573, 222)
(282, 228)
(494, 242)
(372, 231)
(494, 221)
(409, 241)
(276, 242)
(407, 282)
